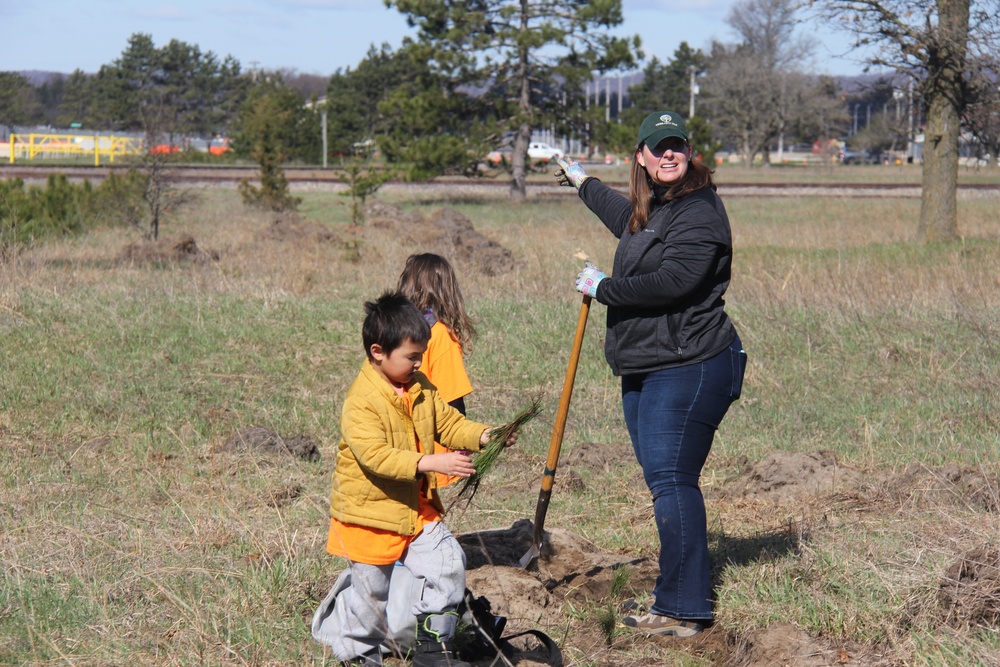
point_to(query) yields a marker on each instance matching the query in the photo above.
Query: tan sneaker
(654, 624)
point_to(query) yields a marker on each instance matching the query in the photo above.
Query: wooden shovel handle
(555, 445)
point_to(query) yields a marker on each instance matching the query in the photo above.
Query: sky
(311, 36)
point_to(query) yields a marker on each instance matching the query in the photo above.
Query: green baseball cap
(660, 125)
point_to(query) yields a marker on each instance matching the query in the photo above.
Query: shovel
(556, 443)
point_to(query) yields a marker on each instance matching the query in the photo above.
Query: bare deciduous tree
(982, 115)
(743, 100)
(932, 43)
(758, 90)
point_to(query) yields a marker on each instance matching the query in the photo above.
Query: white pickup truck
(541, 151)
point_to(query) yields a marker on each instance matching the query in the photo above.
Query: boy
(385, 506)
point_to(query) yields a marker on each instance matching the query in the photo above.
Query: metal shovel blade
(528, 558)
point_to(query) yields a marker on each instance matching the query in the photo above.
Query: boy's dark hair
(390, 320)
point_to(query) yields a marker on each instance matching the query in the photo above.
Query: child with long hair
(429, 281)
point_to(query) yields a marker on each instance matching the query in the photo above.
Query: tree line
(485, 73)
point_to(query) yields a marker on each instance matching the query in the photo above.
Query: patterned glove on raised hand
(588, 280)
(570, 173)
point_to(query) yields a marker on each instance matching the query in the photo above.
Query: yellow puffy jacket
(376, 483)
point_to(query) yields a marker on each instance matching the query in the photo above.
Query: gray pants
(435, 556)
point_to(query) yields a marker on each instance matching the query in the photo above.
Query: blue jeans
(672, 416)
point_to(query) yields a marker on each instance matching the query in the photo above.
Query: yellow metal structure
(41, 146)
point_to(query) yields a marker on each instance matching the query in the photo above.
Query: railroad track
(314, 178)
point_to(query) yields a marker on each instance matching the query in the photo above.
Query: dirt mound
(283, 495)
(445, 232)
(790, 476)
(261, 439)
(920, 485)
(290, 226)
(597, 456)
(970, 590)
(785, 644)
(572, 573)
(569, 568)
(166, 250)
(513, 592)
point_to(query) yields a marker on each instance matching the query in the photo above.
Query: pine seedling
(619, 580)
(488, 456)
(607, 620)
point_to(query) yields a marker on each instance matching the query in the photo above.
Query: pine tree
(527, 60)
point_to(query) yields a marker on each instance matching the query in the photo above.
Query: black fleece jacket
(665, 291)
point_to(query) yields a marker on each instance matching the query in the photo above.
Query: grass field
(129, 535)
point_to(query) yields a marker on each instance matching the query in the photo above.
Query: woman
(680, 360)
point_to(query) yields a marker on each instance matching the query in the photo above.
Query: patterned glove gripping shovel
(556, 443)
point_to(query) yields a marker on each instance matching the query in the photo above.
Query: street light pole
(323, 119)
(607, 99)
(694, 91)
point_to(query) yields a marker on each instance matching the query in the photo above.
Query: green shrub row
(30, 213)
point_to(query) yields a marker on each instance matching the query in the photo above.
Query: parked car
(863, 157)
(537, 152)
(540, 151)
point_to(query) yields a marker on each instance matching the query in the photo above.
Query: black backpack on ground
(486, 639)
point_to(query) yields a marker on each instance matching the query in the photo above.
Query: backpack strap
(490, 641)
(554, 657)
(488, 628)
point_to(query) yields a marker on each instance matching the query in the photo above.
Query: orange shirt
(443, 364)
(444, 367)
(361, 544)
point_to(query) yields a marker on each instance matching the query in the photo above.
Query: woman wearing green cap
(679, 357)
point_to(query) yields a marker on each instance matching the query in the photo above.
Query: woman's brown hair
(429, 281)
(641, 193)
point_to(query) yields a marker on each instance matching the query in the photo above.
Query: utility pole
(322, 115)
(694, 91)
(607, 99)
